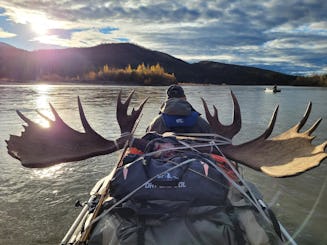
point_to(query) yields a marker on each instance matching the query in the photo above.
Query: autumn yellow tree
(143, 74)
(105, 69)
(141, 69)
(91, 75)
(129, 69)
(157, 69)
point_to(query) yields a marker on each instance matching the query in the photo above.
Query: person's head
(175, 91)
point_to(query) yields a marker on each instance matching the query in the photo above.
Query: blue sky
(286, 36)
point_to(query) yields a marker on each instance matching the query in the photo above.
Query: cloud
(84, 38)
(283, 34)
(4, 34)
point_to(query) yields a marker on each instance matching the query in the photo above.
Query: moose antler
(228, 131)
(287, 154)
(41, 147)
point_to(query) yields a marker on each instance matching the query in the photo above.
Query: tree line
(141, 75)
(313, 80)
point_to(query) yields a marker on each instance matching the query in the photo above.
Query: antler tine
(269, 129)
(271, 124)
(227, 131)
(125, 121)
(213, 120)
(85, 123)
(44, 116)
(313, 127)
(304, 118)
(59, 122)
(121, 109)
(237, 121)
(140, 108)
(25, 119)
(56, 115)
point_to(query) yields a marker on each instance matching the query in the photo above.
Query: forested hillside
(127, 63)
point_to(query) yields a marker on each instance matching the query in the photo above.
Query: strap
(238, 231)
(141, 228)
(275, 223)
(140, 231)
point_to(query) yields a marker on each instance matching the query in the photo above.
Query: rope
(137, 189)
(214, 142)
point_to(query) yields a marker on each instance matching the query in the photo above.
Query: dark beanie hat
(175, 91)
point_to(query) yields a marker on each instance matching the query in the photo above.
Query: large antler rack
(41, 147)
(228, 131)
(289, 153)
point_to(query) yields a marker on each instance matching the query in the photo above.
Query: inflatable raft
(175, 197)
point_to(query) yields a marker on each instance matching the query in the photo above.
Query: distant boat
(272, 90)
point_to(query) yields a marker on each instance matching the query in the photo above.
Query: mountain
(213, 72)
(17, 64)
(12, 61)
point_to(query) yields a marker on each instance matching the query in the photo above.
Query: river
(37, 205)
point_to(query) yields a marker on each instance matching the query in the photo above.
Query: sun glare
(42, 103)
(40, 28)
(48, 173)
(40, 24)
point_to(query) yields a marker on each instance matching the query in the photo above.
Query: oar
(73, 230)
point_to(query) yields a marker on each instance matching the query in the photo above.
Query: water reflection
(42, 104)
(314, 209)
(48, 173)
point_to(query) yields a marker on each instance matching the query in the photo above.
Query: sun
(40, 24)
(40, 28)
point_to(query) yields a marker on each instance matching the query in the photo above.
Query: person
(275, 88)
(178, 115)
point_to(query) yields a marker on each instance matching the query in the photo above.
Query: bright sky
(286, 36)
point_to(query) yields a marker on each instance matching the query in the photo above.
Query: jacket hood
(177, 106)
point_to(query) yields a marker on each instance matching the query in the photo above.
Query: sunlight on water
(42, 122)
(42, 101)
(42, 104)
(48, 173)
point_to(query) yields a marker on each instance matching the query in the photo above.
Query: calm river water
(37, 205)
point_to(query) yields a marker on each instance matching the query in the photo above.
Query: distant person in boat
(178, 115)
(275, 88)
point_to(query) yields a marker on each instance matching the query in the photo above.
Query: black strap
(275, 223)
(238, 231)
(141, 228)
(140, 231)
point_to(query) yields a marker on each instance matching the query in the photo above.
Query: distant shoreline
(111, 83)
(2, 82)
